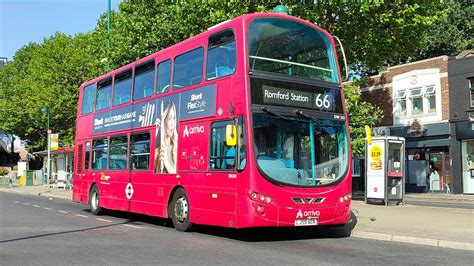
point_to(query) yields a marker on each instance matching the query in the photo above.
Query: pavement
(39, 190)
(422, 225)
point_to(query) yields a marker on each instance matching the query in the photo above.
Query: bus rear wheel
(94, 201)
(180, 211)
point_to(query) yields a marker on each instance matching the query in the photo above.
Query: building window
(471, 88)
(401, 100)
(430, 95)
(416, 101)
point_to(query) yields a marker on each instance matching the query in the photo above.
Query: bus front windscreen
(300, 152)
(291, 48)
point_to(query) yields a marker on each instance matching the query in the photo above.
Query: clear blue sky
(25, 21)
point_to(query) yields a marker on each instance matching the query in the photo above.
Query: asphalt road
(38, 230)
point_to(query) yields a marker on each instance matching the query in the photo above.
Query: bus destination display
(316, 98)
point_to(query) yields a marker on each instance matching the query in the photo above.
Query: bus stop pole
(48, 170)
(49, 157)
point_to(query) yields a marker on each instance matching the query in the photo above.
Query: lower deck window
(222, 156)
(140, 151)
(100, 150)
(118, 153)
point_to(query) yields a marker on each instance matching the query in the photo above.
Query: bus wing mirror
(231, 135)
(344, 56)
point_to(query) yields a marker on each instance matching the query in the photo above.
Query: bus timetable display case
(385, 164)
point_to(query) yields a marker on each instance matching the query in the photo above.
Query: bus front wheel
(94, 201)
(180, 211)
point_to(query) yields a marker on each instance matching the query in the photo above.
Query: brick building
(431, 105)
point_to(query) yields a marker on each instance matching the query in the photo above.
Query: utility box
(30, 175)
(385, 169)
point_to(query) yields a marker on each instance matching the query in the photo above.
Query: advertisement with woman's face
(166, 149)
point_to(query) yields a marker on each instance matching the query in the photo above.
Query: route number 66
(322, 102)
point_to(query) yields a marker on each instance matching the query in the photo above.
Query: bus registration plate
(306, 222)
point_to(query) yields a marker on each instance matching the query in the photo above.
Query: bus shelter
(61, 167)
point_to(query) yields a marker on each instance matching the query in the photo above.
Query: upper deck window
(163, 77)
(291, 48)
(88, 99)
(143, 81)
(123, 88)
(221, 55)
(104, 91)
(188, 68)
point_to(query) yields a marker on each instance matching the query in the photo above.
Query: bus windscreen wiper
(300, 113)
(312, 119)
(267, 111)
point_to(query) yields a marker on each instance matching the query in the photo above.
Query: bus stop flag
(54, 142)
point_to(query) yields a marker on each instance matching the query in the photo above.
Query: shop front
(428, 152)
(465, 134)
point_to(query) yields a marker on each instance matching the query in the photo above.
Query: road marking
(103, 220)
(24, 203)
(36, 206)
(46, 208)
(133, 226)
(63, 211)
(16, 201)
(80, 215)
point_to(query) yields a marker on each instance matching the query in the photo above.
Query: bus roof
(240, 20)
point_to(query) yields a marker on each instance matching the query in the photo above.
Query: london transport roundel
(129, 191)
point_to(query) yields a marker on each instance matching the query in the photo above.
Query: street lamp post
(108, 27)
(46, 111)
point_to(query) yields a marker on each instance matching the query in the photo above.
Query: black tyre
(179, 211)
(94, 201)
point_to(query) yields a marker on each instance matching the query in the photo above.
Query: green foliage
(452, 33)
(375, 34)
(147, 26)
(3, 171)
(45, 75)
(360, 114)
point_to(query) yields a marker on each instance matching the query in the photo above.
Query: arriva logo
(308, 214)
(192, 130)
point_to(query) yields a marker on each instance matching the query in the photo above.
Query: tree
(45, 75)
(375, 34)
(450, 34)
(360, 114)
(144, 27)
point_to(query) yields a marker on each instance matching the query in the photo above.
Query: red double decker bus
(243, 125)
